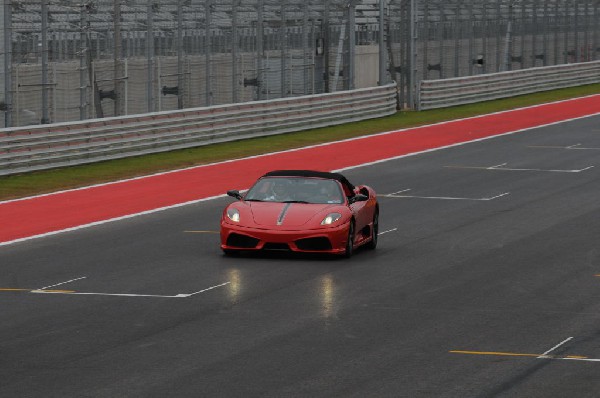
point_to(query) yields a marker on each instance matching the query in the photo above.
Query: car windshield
(296, 190)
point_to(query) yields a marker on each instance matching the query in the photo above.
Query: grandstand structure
(69, 60)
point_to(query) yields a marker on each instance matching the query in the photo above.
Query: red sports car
(301, 211)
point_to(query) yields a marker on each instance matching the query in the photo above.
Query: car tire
(374, 232)
(350, 241)
(231, 253)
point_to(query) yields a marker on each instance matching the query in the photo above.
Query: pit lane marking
(516, 354)
(392, 230)
(73, 292)
(502, 168)
(545, 355)
(396, 195)
(575, 146)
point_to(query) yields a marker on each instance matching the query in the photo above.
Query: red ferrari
(301, 211)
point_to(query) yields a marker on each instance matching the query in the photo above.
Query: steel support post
(260, 49)
(6, 43)
(150, 56)
(207, 51)
(349, 69)
(412, 83)
(283, 37)
(179, 54)
(45, 85)
(234, 52)
(382, 38)
(305, 48)
(117, 56)
(425, 39)
(83, 50)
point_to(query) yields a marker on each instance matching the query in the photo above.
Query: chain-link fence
(439, 39)
(63, 60)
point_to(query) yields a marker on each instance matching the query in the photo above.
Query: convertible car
(301, 211)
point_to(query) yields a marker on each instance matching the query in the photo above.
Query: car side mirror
(358, 198)
(234, 193)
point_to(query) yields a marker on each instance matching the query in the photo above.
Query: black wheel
(350, 241)
(374, 232)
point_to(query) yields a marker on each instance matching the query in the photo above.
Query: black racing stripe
(283, 212)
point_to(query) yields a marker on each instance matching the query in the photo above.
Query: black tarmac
(486, 283)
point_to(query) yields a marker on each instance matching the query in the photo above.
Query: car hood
(286, 214)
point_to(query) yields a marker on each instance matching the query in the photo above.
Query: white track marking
(181, 295)
(388, 231)
(575, 146)
(295, 150)
(404, 190)
(445, 197)
(62, 283)
(555, 347)
(499, 167)
(204, 290)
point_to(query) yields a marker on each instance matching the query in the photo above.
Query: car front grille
(276, 246)
(314, 244)
(242, 241)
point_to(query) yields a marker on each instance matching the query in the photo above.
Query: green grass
(22, 185)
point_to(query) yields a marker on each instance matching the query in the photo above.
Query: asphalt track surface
(485, 284)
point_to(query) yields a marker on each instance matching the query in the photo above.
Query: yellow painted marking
(508, 354)
(598, 275)
(201, 232)
(514, 354)
(14, 290)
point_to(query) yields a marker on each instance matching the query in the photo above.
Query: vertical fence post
(283, 37)
(7, 57)
(207, 51)
(179, 54)
(349, 69)
(45, 85)
(150, 56)
(260, 49)
(234, 52)
(382, 39)
(412, 86)
(117, 55)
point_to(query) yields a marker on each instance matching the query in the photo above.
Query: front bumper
(322, 240)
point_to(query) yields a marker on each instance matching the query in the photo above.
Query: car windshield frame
(306, 190)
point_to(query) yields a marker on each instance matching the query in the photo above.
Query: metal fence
(63, 60)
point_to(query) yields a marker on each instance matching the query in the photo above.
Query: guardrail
(24, 149)
(464, 90)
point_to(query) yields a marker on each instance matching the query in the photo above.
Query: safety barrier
(30, 148)
(464, 90)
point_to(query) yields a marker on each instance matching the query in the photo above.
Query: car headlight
(233, 214)
(331, 218)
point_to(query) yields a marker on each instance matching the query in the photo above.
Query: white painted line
(445, 197)
(388, 231)
(404, 190)
(575, 146)
(499, 167)
(555, 347)
(578, 359)
(204, 290)
(181, 295)
(62, 283)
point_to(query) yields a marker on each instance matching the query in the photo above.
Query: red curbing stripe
(69, 209)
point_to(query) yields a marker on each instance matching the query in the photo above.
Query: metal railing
(25, 149)
(465, 90)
